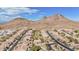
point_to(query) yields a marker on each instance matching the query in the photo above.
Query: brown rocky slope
(55, 21)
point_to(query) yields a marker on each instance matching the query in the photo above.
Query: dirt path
(25, 42)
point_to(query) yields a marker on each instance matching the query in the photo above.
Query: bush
(35, 48)
(37, 35)
(76, 31)
(62, 34)
(77, 35)
(29, 28)
(4, 38)
(70, 38)
(55, 30)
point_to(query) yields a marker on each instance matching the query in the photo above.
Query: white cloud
(6, 14)
(17, 10)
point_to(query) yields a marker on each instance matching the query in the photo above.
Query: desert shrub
(37, 35)
(4, 38)
(70, 38)
(55, 30)
(9, 35)
(62, 34)
(76, 41)
(35, 48)
(59, 33)
(48, 47)
(76, 31)
(77, 35)
(29, 28)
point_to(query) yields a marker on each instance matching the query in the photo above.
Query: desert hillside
(54, 21)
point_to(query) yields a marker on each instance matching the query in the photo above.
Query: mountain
(47, 22)
(56, 21)
(18, 22)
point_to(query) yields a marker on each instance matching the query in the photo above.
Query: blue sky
(36, 13)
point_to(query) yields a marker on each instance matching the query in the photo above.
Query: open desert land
(52, 33)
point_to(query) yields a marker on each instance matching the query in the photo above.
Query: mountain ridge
(55, 21)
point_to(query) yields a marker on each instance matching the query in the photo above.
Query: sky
(37, 13)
